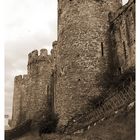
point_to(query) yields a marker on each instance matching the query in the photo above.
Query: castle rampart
(19, 99)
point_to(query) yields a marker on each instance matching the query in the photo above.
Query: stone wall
(82, 59)
(122, 35)
(16, 101)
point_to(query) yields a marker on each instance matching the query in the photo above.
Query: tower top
(74, 9)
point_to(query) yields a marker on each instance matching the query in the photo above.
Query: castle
(96, 42)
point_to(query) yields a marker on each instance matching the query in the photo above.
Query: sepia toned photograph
(70, 70)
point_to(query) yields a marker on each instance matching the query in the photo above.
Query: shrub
(48, 124)
(18, 131)
(96, 102)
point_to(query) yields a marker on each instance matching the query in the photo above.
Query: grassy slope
(119, 127)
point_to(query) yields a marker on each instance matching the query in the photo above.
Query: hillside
(121, 126)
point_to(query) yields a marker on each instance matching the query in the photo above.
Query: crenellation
(34, 57)
(36, 61)
(54, 44)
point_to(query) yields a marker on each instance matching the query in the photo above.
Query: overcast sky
(30, 25)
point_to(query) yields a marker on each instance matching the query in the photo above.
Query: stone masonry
(96, 41)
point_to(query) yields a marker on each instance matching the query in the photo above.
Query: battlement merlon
(44, 52)
(32, 56)
(21, 78)
(18, 79)
(54, 44)
(53, 50)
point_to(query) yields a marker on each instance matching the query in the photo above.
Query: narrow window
(78, 55)
(120, 70)
(127, 32)
(102, 49)
(124, 48)
(79, 80)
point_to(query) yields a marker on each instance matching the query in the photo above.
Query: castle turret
(17, 99)
(30, 91)
(39, 71)
(83, 53)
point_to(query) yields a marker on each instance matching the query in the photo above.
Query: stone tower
(31, 91)
(82, 59)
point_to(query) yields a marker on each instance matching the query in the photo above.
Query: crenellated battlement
(34, 57)
(21, 78)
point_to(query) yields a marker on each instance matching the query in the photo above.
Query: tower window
(102, 49)
(124, 47)
(120, 70)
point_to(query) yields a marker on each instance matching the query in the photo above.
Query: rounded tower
(82, 60)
